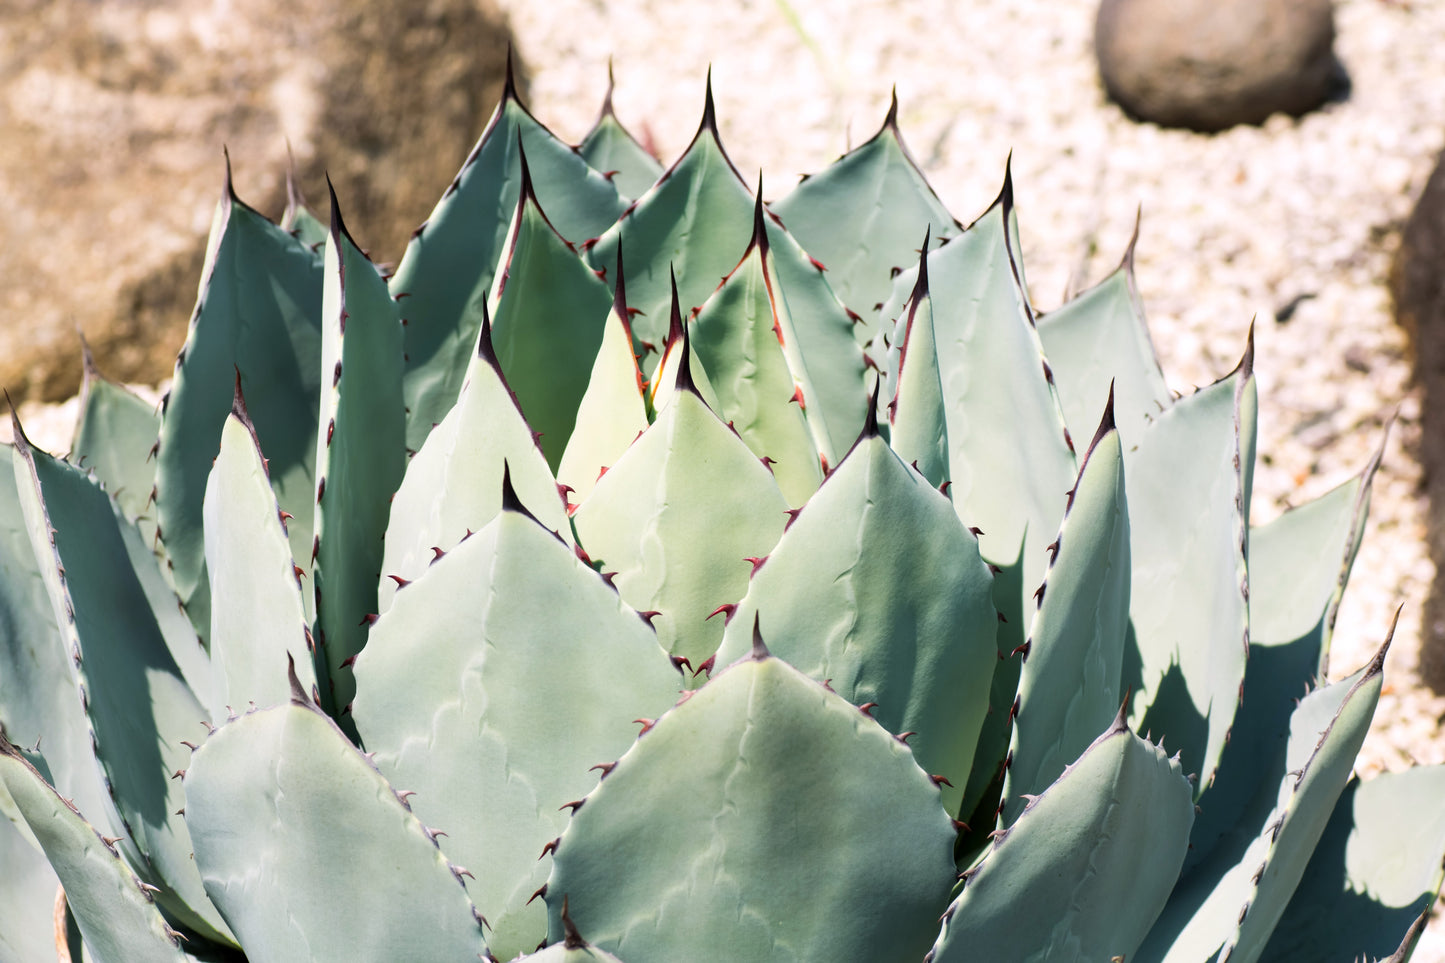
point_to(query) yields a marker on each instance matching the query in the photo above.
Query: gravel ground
(1235, 226)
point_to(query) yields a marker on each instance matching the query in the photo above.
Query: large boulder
(1417, 285)
(113, 117)
(1211, 64)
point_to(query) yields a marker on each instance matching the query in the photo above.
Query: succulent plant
(551, 545)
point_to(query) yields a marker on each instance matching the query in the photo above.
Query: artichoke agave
(888, 636)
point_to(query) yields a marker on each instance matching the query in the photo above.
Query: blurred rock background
(113, 117)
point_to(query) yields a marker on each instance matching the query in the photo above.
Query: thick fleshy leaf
(738, 336)
(492, 712)
(695, 220)
(182, 639)
(1230, 903)
(360, 455)
(454, 484)
(801, 830)
(1087, 866)
(917, 419)
(1069, 684)
(259, 313)
(548, 310)
(257, 614)
(1010, 459)
(114, 438)
(819, 342)
(447, 272)
(1100, 340)
(613, 411)
(27, 888)
(1298, 566)
(1300, 563)
(1189, 479)
(1374, 872)
(138, 705)
(678, 519)
(117, 917)
(38, 698)
(878, 588)
(280, 796)
(663, 384)
(609, 148)
(862, 217)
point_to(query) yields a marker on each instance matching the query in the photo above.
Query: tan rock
(1417, 287)
(113, 117)
(1211, 64)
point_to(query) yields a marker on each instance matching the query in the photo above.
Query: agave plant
(508, 604)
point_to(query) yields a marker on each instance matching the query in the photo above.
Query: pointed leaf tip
(870, 417)
(619, 297)
(675, 328)
(298, 691)
(527, 192)
(338, 225)
(573, 939)
(607, 108)
(1006, 193)
(485, 349)
(228, 190)
(87, 357)
(760, 649)
(684, 380)
(1377, 664)
(335, 208)
(1127, 263)
(509, 85)
(238, 404)
(1246, 363)
(21, 440)
(709, 111)
(1121, 719)
(760, 225)
(1106, 423)
(890, 121)
(920, 287)
(510, 500)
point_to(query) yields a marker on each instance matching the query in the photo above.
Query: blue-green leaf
(448, 270)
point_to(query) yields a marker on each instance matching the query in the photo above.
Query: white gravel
(1235, 225)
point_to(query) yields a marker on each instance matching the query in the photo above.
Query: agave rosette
(822, 536)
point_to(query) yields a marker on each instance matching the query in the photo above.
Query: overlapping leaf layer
(579, 591)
